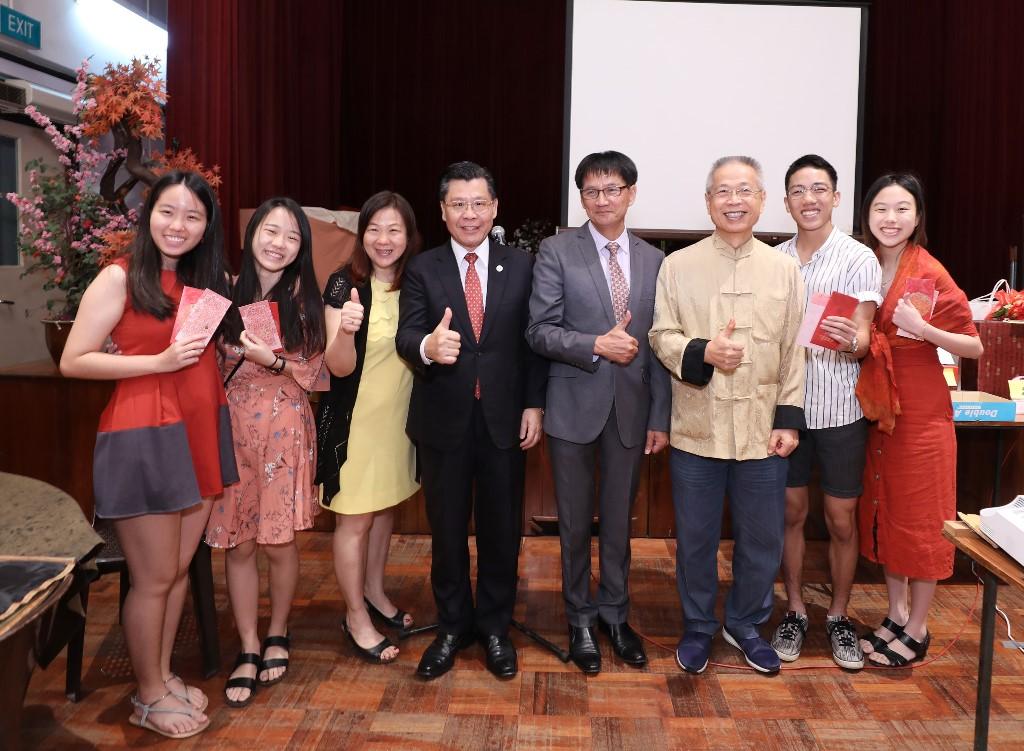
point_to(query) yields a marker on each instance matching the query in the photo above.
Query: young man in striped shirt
(830, 261)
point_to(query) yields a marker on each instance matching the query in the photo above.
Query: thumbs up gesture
(442, 345)
(352, 313)
(722, 352)
(617, 345)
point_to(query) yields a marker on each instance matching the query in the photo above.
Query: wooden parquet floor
(332, 700)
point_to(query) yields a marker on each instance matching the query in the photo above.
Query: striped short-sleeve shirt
(844, 265)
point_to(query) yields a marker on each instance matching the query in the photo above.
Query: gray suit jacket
(569, 308)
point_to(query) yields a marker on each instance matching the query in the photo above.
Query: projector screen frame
(568, 170)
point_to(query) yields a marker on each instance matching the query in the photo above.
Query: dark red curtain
(254, 86)
(331, 100)
(945, 98)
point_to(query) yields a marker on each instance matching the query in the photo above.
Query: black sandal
(283, 642)
(244, 658)
(877, 642)
(395, 621)
(896, 660)
(373, 654)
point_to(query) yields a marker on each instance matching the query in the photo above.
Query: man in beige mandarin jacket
(726, 316)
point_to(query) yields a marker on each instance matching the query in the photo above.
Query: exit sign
(19, 26)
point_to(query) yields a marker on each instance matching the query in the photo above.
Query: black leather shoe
(501, 655)
(583, 649)
(439, 657)
(625, 642)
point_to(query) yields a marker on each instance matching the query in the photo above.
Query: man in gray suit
(608, 399)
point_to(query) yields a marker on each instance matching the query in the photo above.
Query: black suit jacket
(512, 377)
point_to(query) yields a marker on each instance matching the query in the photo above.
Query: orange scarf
(876, 387)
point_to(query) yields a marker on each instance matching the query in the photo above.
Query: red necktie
(475, 304)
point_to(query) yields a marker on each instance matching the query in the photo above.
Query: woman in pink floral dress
(274, 436)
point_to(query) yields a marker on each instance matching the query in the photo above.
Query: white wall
(71, 31)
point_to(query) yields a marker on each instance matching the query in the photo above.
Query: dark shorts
(839, 453)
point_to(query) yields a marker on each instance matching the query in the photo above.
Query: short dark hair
(814, 162)
(359, 265)
(910, 183)
(466, 171)
(606, 163)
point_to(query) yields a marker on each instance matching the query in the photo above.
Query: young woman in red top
(163, 449)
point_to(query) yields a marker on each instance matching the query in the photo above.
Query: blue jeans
(757, 503)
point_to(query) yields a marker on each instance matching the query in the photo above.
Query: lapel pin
(498, 267)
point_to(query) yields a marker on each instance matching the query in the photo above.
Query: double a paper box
(977, 406)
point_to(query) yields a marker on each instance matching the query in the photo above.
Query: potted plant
(74, 217)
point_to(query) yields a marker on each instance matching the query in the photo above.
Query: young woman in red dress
(910, 474)
(163, 449)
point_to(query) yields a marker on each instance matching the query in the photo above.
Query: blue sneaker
(693, 651)
(757, 652)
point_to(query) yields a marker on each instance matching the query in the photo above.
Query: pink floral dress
(275, 449)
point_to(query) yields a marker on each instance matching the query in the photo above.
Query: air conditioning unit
(54, 104)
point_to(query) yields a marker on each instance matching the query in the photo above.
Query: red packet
(821, 306)
(920, 293)
(189, 297)
(838, 305)
(261, 319)
(204, 316)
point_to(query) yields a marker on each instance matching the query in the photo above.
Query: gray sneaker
(789, 636)
(846, 649)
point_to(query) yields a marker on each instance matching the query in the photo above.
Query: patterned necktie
(619, 287)
(475, 304)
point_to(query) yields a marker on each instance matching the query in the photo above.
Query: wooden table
(17, 659)
(995, 566)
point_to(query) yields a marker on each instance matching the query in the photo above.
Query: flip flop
(148, 709)
(185, 697)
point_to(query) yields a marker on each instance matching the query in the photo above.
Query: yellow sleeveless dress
(380, 470)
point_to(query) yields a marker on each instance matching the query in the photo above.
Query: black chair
(110, 559)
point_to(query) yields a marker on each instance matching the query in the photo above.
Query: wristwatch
(853, 345)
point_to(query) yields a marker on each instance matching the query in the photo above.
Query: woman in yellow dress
(366, 462)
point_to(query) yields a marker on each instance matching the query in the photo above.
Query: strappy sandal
(896, 660)
(242, 681)
(373, 654)
(395, 621)
(284, 642)
(185, 697)
(148, 709)
(877, 642)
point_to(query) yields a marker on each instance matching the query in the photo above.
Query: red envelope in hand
(261, 319)
(838, 305)
(203, 317)
(189, 297)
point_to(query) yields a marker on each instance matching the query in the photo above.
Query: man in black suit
(477, 406)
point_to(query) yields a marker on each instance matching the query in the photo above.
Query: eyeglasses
(478, 205)
(744, 193)
(612, 191)
(818, 190)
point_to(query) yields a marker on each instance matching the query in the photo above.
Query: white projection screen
(675, 85)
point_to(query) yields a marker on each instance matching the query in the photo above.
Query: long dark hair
(296, 292)
(910, 183)
(201, 267)
(359, 266)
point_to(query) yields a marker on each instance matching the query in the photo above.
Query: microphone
(498, 234)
